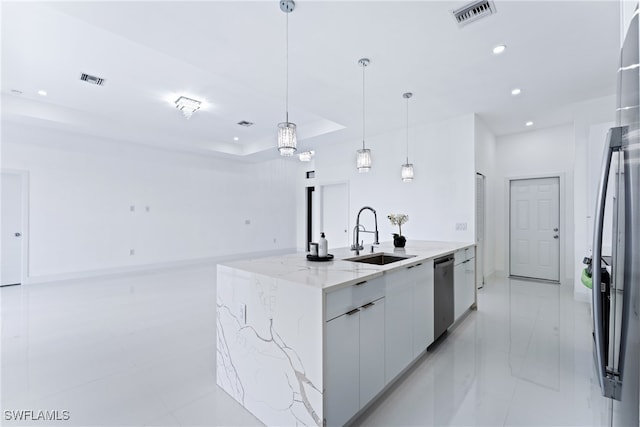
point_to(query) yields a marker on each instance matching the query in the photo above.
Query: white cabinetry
(409, 316)
(354, 349)
(398, 332)
(371, 351)
(464, 281)
(342, 362)
(422, 306)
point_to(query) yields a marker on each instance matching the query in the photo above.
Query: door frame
(482, 249)
(24, 176)
(563, 227)
(316, 209)
(320, 187)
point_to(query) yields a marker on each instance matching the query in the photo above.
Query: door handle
(610, 385)
(18, 234)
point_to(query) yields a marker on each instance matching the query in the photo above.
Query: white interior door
(11, 267)
(335, 214)
(534, 247)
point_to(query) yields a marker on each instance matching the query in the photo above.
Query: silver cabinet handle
(360, 283)
(367, 305)
(555, 229)
(352, 312)
(18, 234)
(556, 236)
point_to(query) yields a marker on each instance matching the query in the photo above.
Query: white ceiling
(231, 54)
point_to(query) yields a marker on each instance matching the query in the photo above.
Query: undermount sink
(379, 258)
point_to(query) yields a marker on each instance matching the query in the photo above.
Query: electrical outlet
(461, 226)
(247, 221)
(274, 240)
(147, 208)
(132, 251)
(243, 314)
(132, 208)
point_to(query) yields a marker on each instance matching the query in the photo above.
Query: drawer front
(470, 253)
(338, 302)
(343, 300)
(465, 254)
(368, 291)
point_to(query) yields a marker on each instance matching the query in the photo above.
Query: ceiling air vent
(92, 79)
(473, 11)
(245, 123)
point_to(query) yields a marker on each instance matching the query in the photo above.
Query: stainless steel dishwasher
(442, 295)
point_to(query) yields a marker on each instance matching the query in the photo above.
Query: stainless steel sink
(379, 258)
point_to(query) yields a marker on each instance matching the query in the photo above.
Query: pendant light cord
(407, 130)
(363, 111)
(287, 71)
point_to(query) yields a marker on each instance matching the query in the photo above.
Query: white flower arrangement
(398, 219)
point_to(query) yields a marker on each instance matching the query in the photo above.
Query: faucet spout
(356, 232)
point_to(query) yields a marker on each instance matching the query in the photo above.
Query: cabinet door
(371, 350)
(470, 282)
(422, 307)
(398, 331)
(459, 290)
(342, 359)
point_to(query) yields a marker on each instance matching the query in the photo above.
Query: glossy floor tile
(139, 350)
(522, 359)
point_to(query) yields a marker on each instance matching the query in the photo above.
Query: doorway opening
(309, 197)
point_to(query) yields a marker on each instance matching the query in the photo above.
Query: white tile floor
(139, 350)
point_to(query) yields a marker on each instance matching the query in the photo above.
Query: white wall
(485, 159)
(544, 152)
(82, 188)
(441, 195)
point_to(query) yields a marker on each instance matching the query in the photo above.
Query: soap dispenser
(323, 246)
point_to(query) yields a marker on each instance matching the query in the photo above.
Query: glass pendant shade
(287, 143)
(407, 172)
(363, 161)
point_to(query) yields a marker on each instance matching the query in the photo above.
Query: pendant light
(287, 143)
(407, 168)
(363, 161)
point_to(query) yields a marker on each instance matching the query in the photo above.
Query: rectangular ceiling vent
(245, 123)
(92, 79)
(473, 11)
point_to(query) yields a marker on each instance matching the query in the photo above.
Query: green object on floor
(586, 279)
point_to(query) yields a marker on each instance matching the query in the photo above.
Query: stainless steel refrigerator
(616, 290)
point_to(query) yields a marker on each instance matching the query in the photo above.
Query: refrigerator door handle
(609, 382)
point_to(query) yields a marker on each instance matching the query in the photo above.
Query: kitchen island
(313, 343)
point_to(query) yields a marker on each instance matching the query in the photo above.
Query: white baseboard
(147, 268)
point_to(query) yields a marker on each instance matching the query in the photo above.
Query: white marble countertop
(328, 275)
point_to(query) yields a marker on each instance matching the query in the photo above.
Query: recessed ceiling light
(516, 91)
(499, 49)
(42, 92)
(235, 138)
(529, 124)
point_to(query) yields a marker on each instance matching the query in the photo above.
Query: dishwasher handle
(443, 262)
